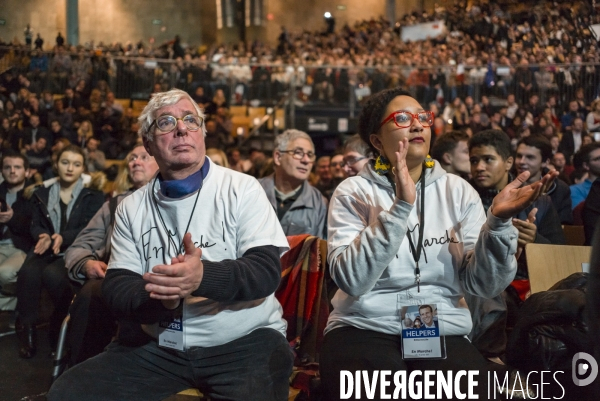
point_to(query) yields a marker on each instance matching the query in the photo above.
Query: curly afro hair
(372, 113)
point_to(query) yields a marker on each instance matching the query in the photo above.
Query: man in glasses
(301, 209)
(195, 262)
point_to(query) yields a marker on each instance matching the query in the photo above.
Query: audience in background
(590, 158)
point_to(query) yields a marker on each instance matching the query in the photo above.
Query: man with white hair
(300, 207)
(194, 260)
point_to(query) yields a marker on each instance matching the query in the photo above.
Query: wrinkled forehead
(301, 143)
(180, 108)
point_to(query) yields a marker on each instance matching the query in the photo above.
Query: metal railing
(323, 90)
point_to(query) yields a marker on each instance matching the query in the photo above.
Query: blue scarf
(179, 188)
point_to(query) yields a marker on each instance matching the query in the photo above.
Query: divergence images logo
(584, 365)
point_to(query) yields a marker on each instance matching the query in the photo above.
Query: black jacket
(86, 205)
(560, 193)
(549, 230)
(567, 145)
(26, 135)
(591, 211)
(20, 223)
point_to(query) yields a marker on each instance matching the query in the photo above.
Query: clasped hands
(171, 283)
(7, 215)
(44, 242)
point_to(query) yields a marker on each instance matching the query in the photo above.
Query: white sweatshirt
(371, 262)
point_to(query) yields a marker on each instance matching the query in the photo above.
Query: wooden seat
(192, 394)
(547, 264)
(256, 112)
(575, 235)
(243, 122)
(125, 103)
(138, 107)
(280, 118)
(238, 110)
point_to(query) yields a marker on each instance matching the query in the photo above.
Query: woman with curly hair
(403, 232)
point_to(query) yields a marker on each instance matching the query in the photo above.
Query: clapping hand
(527, 231)
(406, 189)
(515, 197)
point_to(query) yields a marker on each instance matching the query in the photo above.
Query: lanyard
(179, 249)
(416, 253)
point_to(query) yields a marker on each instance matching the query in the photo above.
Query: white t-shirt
(232, 215)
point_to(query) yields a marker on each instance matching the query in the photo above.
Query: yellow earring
(429, 162)
(382, 165)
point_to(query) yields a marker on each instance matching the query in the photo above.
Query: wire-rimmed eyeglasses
(168, 123)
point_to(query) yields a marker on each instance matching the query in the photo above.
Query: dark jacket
(26, 135)
(549, 230)
(93, 242)
(86, 205)
(567, 145)
(20, 223)
(591, 212)
(560, 194)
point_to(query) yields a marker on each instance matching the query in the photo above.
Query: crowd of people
(507, 173)
(549, 49)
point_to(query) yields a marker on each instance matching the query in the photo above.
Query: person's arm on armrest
(253, 276)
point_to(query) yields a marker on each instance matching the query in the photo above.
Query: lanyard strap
(416, 253)
(179, 249)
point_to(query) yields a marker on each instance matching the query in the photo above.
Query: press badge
(170, 334)
(421, 321)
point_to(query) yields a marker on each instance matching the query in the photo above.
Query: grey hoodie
(371, 262)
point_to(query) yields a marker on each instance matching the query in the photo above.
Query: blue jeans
(254, 367)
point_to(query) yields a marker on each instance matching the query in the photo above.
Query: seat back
(575, 235)
(548, 264)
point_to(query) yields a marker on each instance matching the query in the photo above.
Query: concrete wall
(113, 20)
(308, 14)
(194, 20)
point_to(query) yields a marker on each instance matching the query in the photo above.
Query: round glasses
(298, 154)
(404, 119)
(168, 123)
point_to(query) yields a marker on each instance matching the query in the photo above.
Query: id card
(170, 334)
(421, 337)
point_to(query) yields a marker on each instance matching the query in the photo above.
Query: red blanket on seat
(303, 296)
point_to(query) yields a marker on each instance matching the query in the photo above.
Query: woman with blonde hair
(593, 118)
(217, 156)
(84, 133)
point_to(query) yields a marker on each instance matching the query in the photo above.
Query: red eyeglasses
(404, 119)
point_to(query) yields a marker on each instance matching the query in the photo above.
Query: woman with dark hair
(59, 213)
(403, 232)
